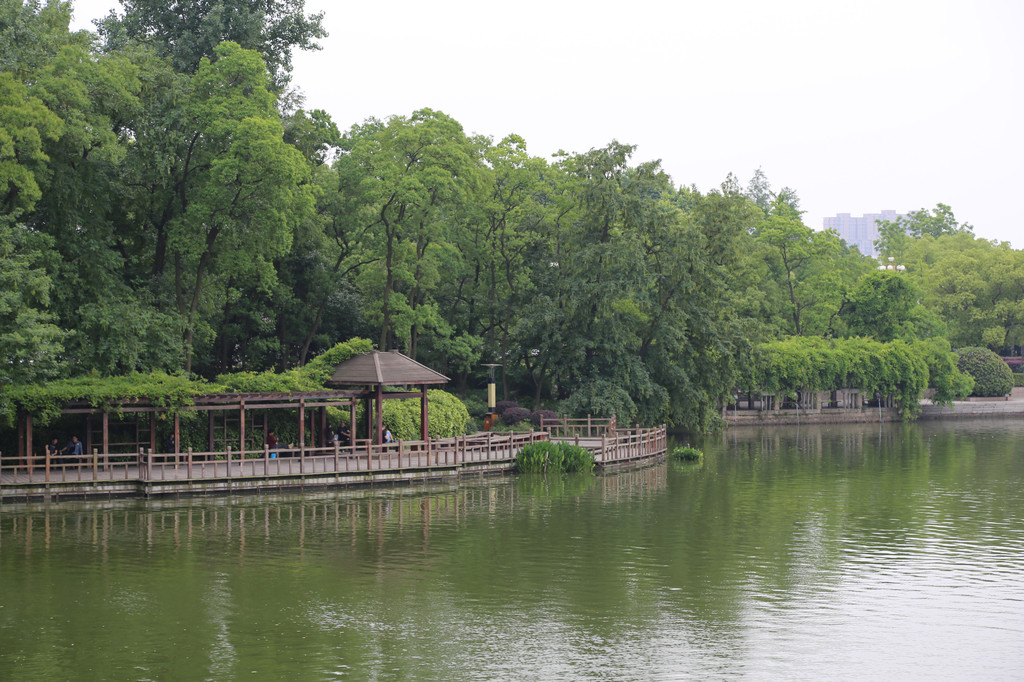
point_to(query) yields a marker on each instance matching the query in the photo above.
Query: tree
(404, 180)
(881, 306)
(25, 124)
(894, 234)
(247, 188)
(187, 32)
(802, 265)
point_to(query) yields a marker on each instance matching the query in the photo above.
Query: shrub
(514, 415)
(554, 457)
(446, 416)
(475, 406)
(992, 376)
(548, 415)
(504, 405)
(1018, 380)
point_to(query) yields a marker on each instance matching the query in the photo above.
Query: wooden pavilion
(378, 369)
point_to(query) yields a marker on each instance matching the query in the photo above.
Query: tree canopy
(167, 210)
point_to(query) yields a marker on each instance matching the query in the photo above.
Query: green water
(838, 552)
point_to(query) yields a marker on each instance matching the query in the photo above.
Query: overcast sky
(858, 106)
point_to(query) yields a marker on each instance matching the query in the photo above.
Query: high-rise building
(860, 231)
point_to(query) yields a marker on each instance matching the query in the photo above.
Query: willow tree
(404, 181)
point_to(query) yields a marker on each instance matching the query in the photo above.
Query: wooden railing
(609, 445)
(620, 445)
(190, 465)
(584, 427)
(632, 444)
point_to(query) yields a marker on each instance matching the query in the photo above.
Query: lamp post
(892, 266)
(492, 395)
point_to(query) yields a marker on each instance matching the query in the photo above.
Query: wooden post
(188, 464)
(352, 426)
(368, 403)
(302, 424)
(106, 432)
(423, 412)
(209, 445)
(19, 454)
(380, 414)
(177, 434)
(29, 455)
(241, 427)
(323, 426)
(152, 432)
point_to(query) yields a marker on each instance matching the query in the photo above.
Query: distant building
(860, 231)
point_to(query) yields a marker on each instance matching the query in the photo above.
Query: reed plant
(555, 457)
(687, 454)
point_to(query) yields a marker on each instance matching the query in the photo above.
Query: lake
(866, 551)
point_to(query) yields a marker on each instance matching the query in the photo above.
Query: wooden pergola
(378, 369)
(310, 406)
(374, 370)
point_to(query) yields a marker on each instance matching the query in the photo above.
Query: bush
(548, 415)
(446, 416)
(504, 405)
(514, 415)
(554, 457)
(1018, 380)
(475, 406)
(992, 376)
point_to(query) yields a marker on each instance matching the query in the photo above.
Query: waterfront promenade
(850, 409)
(148, 474)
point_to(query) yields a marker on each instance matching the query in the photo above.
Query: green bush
(992, 376)
(1018, 380)
(447, 416)
(555, 457)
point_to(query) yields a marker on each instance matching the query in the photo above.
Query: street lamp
(892, 266)
(492, 395)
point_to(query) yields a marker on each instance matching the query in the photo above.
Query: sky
(857, 106)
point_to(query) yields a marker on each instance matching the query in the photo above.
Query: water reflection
(860, 551)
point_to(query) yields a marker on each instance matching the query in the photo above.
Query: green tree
(405, 180)
(881, 306)
(801, 264)
(31, 345)
(25, 124)
(248, 188)
(187, 32)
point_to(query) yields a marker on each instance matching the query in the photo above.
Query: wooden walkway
(148, 474)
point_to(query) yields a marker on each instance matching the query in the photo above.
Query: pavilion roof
(388, 368)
